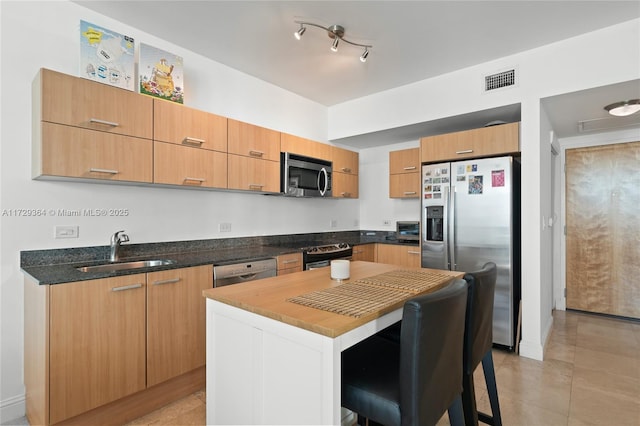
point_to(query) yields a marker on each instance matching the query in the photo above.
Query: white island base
(263, 371)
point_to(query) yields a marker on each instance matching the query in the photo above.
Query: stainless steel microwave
(304, 176)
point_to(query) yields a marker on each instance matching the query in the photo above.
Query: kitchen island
(271, 359)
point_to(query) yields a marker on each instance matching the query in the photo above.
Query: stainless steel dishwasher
(234, 273)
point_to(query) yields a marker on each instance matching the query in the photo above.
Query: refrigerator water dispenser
(435, 223)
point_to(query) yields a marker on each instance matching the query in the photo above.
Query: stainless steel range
(320, 256)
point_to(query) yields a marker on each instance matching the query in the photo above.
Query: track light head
(298, 34)
(334, 46)
(363, 57)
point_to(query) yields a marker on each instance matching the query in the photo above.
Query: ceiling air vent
(499, 80)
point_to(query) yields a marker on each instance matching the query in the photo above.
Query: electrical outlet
(333, 223)
(386, 222)
(224, 227)
(66, 231)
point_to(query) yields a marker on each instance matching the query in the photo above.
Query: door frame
(599, 139)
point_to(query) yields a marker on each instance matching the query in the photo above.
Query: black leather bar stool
(417, 381)
(478, 338)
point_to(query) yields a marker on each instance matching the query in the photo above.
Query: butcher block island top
(311, 300)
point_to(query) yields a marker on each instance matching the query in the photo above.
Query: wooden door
(97, 343)
(603, 229)
(176, 321)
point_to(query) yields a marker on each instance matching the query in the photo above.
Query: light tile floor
(590, 376)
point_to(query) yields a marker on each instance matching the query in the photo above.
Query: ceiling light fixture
(624, 108)
(298, 34)
(335, 32)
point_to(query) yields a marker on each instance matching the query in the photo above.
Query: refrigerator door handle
(452, 230)
(445, 230)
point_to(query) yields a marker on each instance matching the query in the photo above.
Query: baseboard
(12, 408)
(531, 350)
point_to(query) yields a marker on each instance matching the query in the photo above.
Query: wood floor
(590, 376)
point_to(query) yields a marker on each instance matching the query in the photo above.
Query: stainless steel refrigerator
(470, 216)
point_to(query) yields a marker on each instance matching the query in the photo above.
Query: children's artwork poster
(497, 178)
(106, 56)
(475, 184)
(161, 74)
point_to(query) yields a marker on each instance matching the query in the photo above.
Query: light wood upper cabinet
(289, 263)
(404, 161)
(344, 185)
(404, 185)
(366, 252)
(345, 161)
(96, 343)
(404, 173)
(186, 166)
(253, 141)
(486, 141)
(306, 147)
(73, 101)
(409, 256)
(253, 174)
(176, 321)
(182, 125)
(73, 152)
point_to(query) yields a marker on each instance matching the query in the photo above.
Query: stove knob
(313, 249)
(343, 245)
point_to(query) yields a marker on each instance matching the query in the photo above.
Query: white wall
(600, 58)
(376, 206)
(46, 34)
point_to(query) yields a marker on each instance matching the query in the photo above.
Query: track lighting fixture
(298, 34)
(363, 57)
(335, 32)
(624, 108)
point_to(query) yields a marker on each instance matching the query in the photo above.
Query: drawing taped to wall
(161, 74)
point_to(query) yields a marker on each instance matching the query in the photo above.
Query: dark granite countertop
(57, 266)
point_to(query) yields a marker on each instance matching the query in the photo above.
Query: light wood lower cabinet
(253, 174)
(186, 166)
(106, 351)
(408, 256)
(176, 321)
(97, 343)
(67, 151)
(289, 263)
(366, 252)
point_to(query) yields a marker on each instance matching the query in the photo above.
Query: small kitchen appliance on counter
(408, 231)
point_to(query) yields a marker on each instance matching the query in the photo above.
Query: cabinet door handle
(256, 186)
(126, 287)
(192, 179)
(192, 141)
(466, 151)
(409, 168)
(170, 281)
(346, 194)
(103, 122)
(109, 171)
(410, 193)
(255, 153)
(358, 251)
(346, 169)
(286, 262)
(413, 252)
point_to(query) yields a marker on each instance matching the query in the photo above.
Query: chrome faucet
(116, 239)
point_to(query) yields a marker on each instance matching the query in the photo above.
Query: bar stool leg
(456, 413)
(492, 390)
(469, 400)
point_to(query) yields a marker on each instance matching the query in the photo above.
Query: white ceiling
(412, 40)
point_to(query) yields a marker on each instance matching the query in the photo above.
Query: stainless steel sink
(108, 267)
